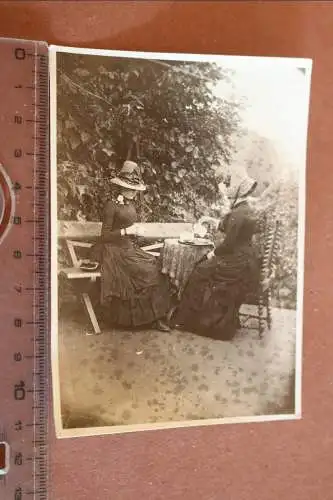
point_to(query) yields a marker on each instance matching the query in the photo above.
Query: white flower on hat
(120, 200)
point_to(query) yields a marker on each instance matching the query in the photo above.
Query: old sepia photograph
(178, 224)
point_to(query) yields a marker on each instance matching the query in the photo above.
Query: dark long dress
(217, 287)
(133, 290)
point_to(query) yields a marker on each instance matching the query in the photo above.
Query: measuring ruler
(24, 281)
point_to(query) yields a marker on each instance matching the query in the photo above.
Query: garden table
(179, 259)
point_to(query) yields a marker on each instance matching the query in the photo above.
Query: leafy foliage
(164, 116)
(283, 206)
(287, 213)
(258, 155)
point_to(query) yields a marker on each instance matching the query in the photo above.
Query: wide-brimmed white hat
(129, 177)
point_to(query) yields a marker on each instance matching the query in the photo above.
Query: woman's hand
(132, 230)
(210, 221)
(210, 254)
(136, 229)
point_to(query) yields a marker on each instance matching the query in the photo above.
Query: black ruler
(24, 257)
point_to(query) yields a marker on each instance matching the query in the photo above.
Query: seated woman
(218, 286)
(134, 292)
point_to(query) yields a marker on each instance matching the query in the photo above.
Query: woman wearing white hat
(134, 292)
(218, 286)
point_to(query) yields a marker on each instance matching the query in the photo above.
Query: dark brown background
(240, 462)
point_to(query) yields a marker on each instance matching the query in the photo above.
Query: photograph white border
(230, 62)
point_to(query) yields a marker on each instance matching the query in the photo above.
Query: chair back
(267, 240)
(270, 238)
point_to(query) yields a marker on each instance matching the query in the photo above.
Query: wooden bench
(82, 235)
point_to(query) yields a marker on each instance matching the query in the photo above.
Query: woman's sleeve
(232, 231)
(109, 234)
(221, 225)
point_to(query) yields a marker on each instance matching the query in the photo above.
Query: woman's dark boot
(162, 326)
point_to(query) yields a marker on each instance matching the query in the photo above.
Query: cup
(186, 236)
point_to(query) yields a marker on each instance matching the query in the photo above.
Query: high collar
(121, 200)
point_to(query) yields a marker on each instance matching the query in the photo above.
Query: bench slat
(90, 231)
(77, 273)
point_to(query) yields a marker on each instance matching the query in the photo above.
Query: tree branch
(70, 81)
(179, 70)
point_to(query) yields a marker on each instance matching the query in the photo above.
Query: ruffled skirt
(133, 290)
(214, 293)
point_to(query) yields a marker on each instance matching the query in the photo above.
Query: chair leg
(238, 318)
(261, 318)
(91, 313)
(269, 311)
(171, 314)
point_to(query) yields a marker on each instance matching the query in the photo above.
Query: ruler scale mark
(38, 221)
(42, 278)
(29, 415)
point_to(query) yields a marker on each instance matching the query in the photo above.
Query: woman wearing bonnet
(134, 292)
(219, 285)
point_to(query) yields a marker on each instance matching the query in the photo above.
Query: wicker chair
(268, 241)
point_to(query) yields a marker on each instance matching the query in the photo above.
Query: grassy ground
(122, 377)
